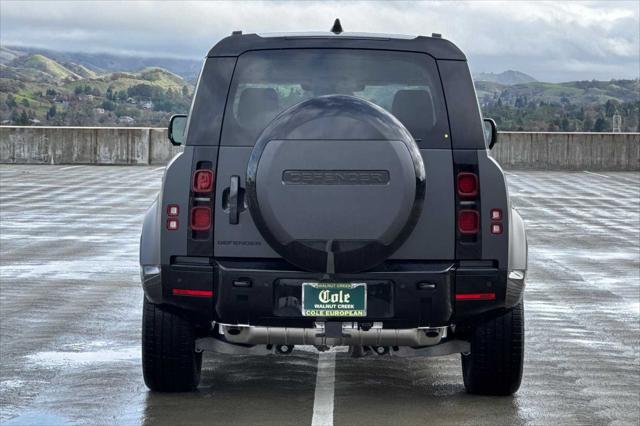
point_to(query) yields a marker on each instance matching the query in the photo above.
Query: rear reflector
(203, 180)
(467, 184)
(496, 228)
(468, 221)
(476, 296)
(194, 293)
(172, 224)
(201, 218)
(173, 210)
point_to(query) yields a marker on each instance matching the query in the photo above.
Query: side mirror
(177, 127)
(490, 132)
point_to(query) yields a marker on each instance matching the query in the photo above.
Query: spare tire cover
(335, 184)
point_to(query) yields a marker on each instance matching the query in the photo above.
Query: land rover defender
(334, 189)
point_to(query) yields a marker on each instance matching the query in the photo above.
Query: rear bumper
(401, 295)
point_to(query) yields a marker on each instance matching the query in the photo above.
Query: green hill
(50, 68)
(577, 92)
(508, 77)
(81, 70)
(72, 94)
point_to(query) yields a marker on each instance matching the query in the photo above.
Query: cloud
(550, 40)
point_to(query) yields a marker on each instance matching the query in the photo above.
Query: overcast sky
(552, 41)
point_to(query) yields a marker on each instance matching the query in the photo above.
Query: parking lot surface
(70, 314)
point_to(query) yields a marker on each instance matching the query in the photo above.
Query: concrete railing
(85, 145)
(138, 145)
(568, 151)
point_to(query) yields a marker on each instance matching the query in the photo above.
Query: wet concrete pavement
(70, 311)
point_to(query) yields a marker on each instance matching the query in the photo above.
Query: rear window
(266, 83)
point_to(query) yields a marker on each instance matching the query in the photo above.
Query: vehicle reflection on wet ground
(70, 312)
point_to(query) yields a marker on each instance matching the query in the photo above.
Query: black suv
(334, 190)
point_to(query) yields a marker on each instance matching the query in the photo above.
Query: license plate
(334, 299)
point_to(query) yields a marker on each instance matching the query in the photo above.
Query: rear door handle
(234, 211)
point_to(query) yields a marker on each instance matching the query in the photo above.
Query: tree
(52, 112)
(600, 125)
(77, 90)
(23, 119)
(108, 105)
(185, 91)
(11, 101)
(25, 102)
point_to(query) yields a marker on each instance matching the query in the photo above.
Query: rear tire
(494, 366)
(169, 360)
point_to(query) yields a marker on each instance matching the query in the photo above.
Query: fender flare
(150, 254)
(518, 252)
(518, 247)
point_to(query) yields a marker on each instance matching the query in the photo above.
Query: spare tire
(335, 184)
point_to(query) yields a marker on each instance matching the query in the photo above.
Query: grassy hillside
(102, 63)
(81, 70)
(572, 106)
(508, 77)
(35, 87)
(72, 91)
(34, 64)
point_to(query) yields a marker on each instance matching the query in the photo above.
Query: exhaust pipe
(381, 350)
(284, 349)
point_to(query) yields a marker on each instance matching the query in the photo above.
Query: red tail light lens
(200, 218)
(467, 184)
(203, 180)
(468, 221)
(476, 296)
(195, 293)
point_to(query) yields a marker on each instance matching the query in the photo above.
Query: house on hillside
(125, 119)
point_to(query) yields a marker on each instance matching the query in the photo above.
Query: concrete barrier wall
(568, 151)
(85, 145)
(138, 145)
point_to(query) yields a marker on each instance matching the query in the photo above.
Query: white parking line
(159, 168)
(70, 167)
(595, 174)
(325, 386)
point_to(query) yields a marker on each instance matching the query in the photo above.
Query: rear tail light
(476, 296)
(193, 293)
(468, 221)
(467, 184)
(203, 181)
(200, 218)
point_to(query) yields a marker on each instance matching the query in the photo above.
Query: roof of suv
(238, 44)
